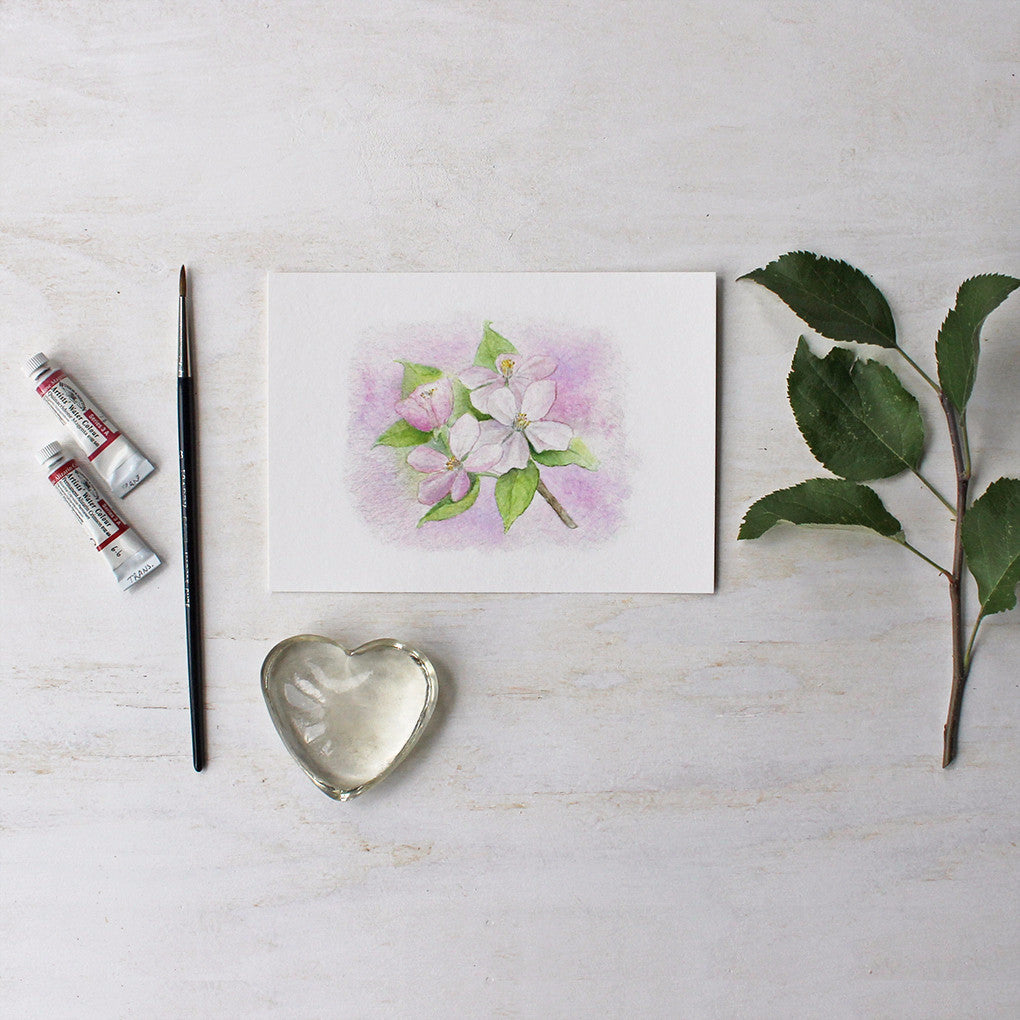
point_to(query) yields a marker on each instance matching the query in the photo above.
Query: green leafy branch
(862, 424)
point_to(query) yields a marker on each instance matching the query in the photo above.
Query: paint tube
(109, 451)
(123, 548)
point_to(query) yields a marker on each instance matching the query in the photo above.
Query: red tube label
(115, 520)
(76, 409)
(49, 382)
(89, 506)
(63, 471)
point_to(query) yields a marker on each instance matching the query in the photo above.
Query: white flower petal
(516, 453)
(463, 435)
(461, 484)
(477, 376)
(492, 432)
(549, 435)
(480, 398)
(427, 459)
(537, 399)
(503, 406)
(481, 458)
(434, 487)
(537, 367)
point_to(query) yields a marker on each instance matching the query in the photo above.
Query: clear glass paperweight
(348, 718)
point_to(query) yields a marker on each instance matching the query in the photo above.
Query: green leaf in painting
(833, 298)
(415, 375)
(491, 347)
(821, 501)
(514, 492)
(447, 508)
(462, 402)
(855, 415)
(576, 453)
(958, 345)
(991, 540)
(400, 433)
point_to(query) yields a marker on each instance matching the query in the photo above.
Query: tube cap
(34, 363)
(48, 452)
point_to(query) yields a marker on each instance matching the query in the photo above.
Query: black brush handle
(189, 545)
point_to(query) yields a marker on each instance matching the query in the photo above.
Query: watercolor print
(478, 437)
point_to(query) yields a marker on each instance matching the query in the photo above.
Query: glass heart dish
(349, 718)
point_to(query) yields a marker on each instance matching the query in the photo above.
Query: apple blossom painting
(480, 434)
(491, 432)
(492, 420)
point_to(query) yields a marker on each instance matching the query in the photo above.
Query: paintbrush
(189, 526)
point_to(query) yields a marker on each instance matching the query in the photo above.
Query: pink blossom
(512, 372)
(517, 422)
(448, 475)
(427, 406)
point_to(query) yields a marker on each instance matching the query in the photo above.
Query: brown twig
(555, 504)
(961, 662)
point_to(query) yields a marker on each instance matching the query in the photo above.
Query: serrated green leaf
(491, 347)
(576, 453)
(514, 492)
(415, 375)
(959, 342)
(833, 298)
(447, 508)
(831, 502)
(855, 415)
(400, 433)
(991, 540)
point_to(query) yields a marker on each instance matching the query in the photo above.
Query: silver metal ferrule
(183, 341)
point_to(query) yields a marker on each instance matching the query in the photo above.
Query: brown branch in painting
(555, 504)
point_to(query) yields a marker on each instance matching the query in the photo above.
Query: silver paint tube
(121, 546)
(109, 451)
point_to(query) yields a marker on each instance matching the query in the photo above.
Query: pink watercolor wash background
(589, 380)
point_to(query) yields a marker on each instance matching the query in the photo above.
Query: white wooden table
(725, 806)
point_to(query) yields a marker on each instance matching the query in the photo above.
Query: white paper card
(492, 432)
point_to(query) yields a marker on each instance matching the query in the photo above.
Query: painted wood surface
(703, 806)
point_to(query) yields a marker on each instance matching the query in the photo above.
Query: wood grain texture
(645, 806)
